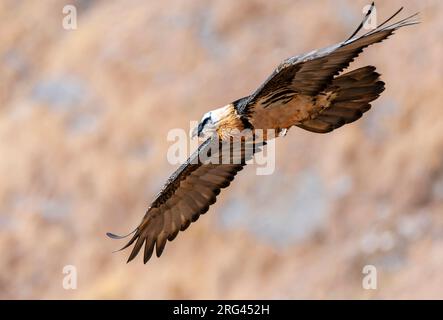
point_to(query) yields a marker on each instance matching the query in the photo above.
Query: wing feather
(309, 74)
(149, 248)
(187, 194)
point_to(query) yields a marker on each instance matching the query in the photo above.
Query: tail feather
(353, 93)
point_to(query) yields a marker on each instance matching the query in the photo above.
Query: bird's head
(210, 122)
(205, 127)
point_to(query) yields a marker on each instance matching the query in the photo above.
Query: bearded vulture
(308, 91)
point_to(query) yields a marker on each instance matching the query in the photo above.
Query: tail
(352, 94)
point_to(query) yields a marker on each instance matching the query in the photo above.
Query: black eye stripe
(205, 121)
(201, 125)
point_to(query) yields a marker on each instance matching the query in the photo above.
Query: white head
(209, 122)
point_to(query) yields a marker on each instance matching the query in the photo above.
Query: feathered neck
(227, 121)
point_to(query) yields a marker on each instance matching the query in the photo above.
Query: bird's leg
(282, 132)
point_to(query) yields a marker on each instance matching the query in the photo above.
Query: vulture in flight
(309, 91)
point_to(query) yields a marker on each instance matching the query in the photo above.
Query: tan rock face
(84, 116)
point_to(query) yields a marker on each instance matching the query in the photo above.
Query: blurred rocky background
(84, 116)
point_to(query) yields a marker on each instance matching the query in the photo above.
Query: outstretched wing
(309, 74)
(188, 193)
